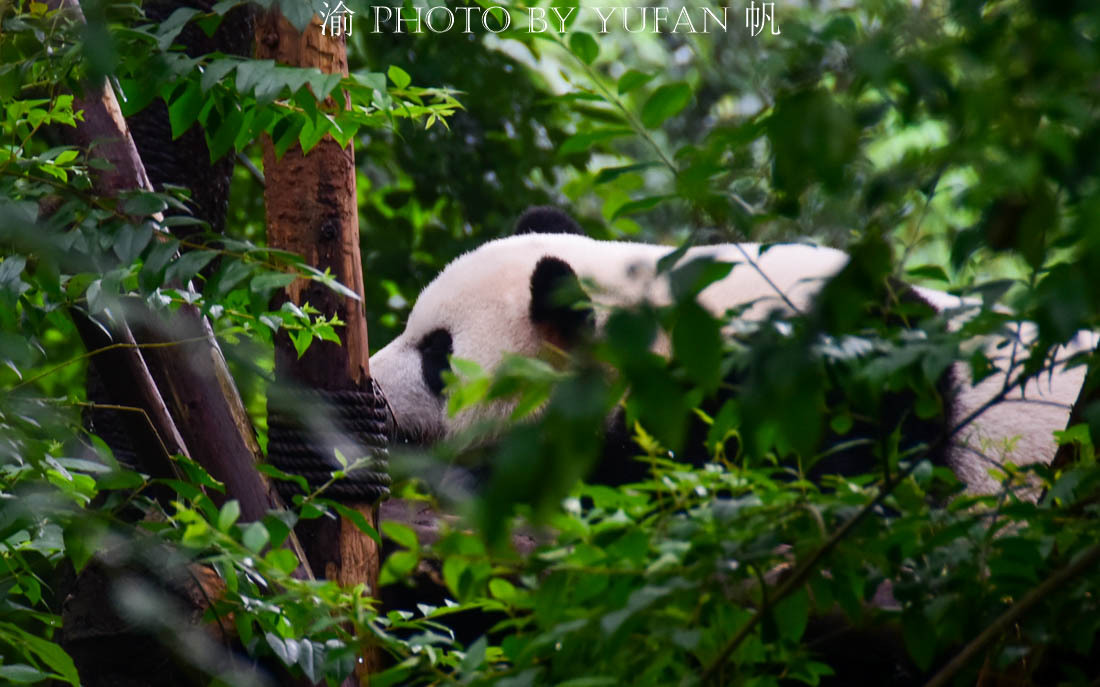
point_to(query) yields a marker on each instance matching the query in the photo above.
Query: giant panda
(499, 298)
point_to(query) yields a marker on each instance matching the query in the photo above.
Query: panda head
(518, 294)
(513, 295)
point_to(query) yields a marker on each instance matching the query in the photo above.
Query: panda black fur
(486, 303)
(545, 219)
(497, 299)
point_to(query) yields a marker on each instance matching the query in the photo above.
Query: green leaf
(184, 109)
(230, 273)
(228, 514)
(453, 569)
(502, 589)
(611, 173)
(666, 101)
(331, 282)
(252, 72)
(640, 205)
(322, 84)
(188, 265)
(156, 261)
(65, 156)
(633, 79)
(374, 80)
(143, 204)
(298, 13)
(130, 242)
(255, 537)
(313, 130)
(581, 142)
(792, 614)
(398, 566)
(801, 160)
(475, 655)
(301, 340)
(225, 5)
(931, 272)
(688, 279)
(697, 344)
(312, 660)
(49, 653)
(354, 517)
(22, 674)
(920, 638)
(401, 534)
(285, 133)
(222, 139)
(276, 473)
(171, 27)
(82, 540)
(10, 270)
(282, 559)
(266, 282)
(584, 47)
(137, 94)
(399, 77)
(279, 647)
(216, 71)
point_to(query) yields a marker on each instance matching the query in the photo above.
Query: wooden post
(312, 210)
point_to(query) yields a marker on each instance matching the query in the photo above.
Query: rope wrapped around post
(306, 426)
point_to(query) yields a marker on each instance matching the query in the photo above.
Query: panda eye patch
(434, 349)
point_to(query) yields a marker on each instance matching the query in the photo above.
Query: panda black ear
(544, 219)
(559, 309)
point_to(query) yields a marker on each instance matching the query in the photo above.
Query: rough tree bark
(312, 211)
(210, 421)
(1069, 453)
(189, 398)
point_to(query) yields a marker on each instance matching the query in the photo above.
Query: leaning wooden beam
(103, 123)
(206, 417)
(184, 388)
(312, 210)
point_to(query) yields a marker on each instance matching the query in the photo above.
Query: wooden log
(194, 377)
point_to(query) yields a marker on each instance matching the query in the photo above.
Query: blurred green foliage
(948, 142)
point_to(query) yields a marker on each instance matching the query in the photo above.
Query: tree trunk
(210, 424)
(186, 395)
(1069, 453)
(312, 211)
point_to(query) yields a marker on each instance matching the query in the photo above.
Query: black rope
(305, 428)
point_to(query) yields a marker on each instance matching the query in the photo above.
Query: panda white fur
(494, 300)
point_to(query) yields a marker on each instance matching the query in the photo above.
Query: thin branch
(134, 409)
(775, 287)
(802, 572)
(1085, 561)
(631, 119)
(97, 351)
(252, 168)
